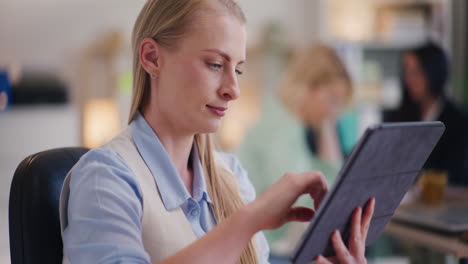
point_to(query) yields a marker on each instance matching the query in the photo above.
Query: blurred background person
(425, 71)
(316, 90)
(299, 129)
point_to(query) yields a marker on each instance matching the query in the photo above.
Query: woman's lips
(217, 110)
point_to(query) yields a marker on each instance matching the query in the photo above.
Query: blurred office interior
(65, 70)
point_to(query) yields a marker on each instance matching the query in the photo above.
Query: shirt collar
(199, 184)
(171, 188)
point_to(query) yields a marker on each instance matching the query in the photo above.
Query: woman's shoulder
(231, 162)
(103, 167)
(102, 156)
(453, 113)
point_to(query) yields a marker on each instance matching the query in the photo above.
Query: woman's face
(324, 102)
(198, 79)
(414, 78)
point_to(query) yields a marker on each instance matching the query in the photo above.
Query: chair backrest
(34, 222)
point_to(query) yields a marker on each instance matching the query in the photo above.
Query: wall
(44, 33)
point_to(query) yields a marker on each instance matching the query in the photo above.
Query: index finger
(318, 188)
(312, 183)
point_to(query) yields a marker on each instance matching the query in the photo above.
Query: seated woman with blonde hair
(159, 192)
(316, 90)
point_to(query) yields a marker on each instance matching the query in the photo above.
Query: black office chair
(35, 235)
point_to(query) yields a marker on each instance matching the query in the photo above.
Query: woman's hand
(226, 242)
(357, 240)
(274, 207)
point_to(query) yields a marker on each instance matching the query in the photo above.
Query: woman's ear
(149, 54)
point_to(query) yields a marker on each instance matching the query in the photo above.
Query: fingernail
(336, 234)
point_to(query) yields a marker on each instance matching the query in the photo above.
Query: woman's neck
(177, 144)
(427, 106)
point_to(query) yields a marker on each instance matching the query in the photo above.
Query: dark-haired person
(425, 71)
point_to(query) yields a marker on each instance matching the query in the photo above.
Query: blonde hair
(315, 65)
(166, 21)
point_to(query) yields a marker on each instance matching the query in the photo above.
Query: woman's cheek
(194, 74)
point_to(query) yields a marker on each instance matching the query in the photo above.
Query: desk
(446, 243)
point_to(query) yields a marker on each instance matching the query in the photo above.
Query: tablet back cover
(383, 164)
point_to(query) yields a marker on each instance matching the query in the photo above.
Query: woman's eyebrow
(223, 54)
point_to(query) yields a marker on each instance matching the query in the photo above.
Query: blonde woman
(299, 130)
(316, 89)
(159, 192)
(299, 127)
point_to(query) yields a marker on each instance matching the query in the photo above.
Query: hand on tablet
(357, 241)
(275, 206)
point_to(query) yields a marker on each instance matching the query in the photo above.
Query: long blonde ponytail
(223, 189)
(166, 21)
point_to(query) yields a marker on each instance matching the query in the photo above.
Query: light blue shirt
(105, 204)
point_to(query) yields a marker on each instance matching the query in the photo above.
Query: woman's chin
(211, 127)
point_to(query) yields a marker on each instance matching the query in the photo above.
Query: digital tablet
(383, 164)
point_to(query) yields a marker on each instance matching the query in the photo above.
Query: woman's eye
(215, 66)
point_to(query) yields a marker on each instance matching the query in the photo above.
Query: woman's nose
(231, 94)
(230, 89)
